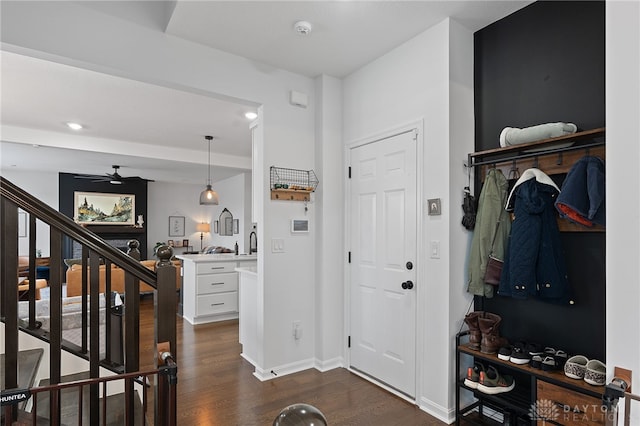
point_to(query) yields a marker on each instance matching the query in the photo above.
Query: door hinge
(349, 172)
(349, 257)
(349, 341)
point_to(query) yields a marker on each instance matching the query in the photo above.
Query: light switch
(277, 245)
(435, 249)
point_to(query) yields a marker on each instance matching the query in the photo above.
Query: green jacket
(490, 209)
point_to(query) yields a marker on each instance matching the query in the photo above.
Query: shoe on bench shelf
(473, 375)
(492, 383)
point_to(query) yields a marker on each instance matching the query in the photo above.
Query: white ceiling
(38, 96)
(346, 34)
(43, 96)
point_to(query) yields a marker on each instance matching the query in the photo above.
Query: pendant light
(209, 197)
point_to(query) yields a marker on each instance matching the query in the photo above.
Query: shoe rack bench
(571, 402)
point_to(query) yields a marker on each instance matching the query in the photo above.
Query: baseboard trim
(438, 411)
(283, 370)
(331, 364)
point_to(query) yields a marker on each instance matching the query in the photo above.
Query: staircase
(103, 383)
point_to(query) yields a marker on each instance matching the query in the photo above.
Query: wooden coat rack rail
(546, 156)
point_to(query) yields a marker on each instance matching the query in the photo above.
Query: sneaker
(519, 356)
(473, 375)
(549, 363)
(535, 349)
(505, 352)
(492, 383)
(536, 361)
(561, 358)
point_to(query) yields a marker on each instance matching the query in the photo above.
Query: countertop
(249, 270)
(222, 257)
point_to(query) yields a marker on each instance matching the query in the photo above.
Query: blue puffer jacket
(583, 193)
(534, 265)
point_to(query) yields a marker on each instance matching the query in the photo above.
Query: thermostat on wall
(299, 225)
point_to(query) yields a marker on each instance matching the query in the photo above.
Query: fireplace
(119, 243)
(115, 236)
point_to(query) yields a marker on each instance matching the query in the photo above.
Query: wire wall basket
(292, 184)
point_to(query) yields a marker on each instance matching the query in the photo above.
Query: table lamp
(202, 228)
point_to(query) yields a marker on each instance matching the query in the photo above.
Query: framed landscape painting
(98, 208)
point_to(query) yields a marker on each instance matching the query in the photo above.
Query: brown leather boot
(475, 336)
(491, 340)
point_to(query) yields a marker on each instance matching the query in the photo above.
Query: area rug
(71, 318)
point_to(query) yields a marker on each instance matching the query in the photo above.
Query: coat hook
(535, 162)
(559, 160)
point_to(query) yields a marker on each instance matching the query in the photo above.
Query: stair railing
(94, 251)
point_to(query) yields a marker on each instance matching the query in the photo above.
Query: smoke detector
(302, 27)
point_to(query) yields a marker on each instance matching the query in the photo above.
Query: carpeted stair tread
(24, 418)
(28, 363)
(69, 404)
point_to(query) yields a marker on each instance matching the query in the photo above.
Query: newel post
(165, 334)
(133, 249)
(166, 301)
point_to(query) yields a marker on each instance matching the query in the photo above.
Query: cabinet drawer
(216, 283)
(215, 267)
(568, 407)
(217, 303)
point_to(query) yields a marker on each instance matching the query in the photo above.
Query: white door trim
(418, 127)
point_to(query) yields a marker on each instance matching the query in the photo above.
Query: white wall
(329, 200)
(416, 82)
(461, 142)
(44, 186)
(173, 199)
(69, 33)
(623, 190)
(232, 193)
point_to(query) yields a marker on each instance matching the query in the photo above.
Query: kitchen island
(210, 286)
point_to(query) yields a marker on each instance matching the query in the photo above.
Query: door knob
(407, 285)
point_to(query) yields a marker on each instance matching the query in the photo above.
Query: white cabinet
(210, 287)
(250, 325)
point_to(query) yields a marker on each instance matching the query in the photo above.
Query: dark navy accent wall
(68, 184)
(545, 63)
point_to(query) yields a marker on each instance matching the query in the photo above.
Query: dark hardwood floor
(216, 386)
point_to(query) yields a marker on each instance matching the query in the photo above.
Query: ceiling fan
(113, 178)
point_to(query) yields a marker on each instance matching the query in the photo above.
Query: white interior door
(382, 231)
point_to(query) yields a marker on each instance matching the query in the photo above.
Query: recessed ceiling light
(251, 115)
(74, 126)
